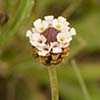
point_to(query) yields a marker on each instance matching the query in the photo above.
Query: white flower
(44, 50)
(72, 31)
(64, 37)
(60, 23)
(50, 35)
(40, 25)
(37, 40)
(56, 24)
(56, 48)
(63, 20)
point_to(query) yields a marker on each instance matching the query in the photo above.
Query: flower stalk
(81, 81)
(50, 39)
(53, 82)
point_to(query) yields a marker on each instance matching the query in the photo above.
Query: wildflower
(50, 39)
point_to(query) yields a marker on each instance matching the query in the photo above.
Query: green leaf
(23, 12)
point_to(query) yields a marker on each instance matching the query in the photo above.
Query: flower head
(50, 39)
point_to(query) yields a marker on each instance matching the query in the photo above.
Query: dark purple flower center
(50, 34)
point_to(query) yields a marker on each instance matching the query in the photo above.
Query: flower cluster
(50, 39)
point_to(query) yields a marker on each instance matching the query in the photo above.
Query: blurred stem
(21, 16)
(81, 81)
(53, 82)
(71, 8)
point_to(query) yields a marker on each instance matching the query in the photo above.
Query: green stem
(81, 81)
(53, 82)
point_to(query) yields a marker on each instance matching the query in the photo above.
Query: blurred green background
(23, 77)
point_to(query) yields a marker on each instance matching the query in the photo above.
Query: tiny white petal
(35, 36)
(34, 30)
(60, 18)
(54, 44)
(68, 39)
(45, 24)
(65, 29)
(40, 47)
(63, 20)
(49, 18)
(32, 43)
(28, 33)
(43, 38)
(42, 53)
(57, 50)
(55, 21)
(72, 31)
(64, 45)
(45, 50)
(37, 22)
